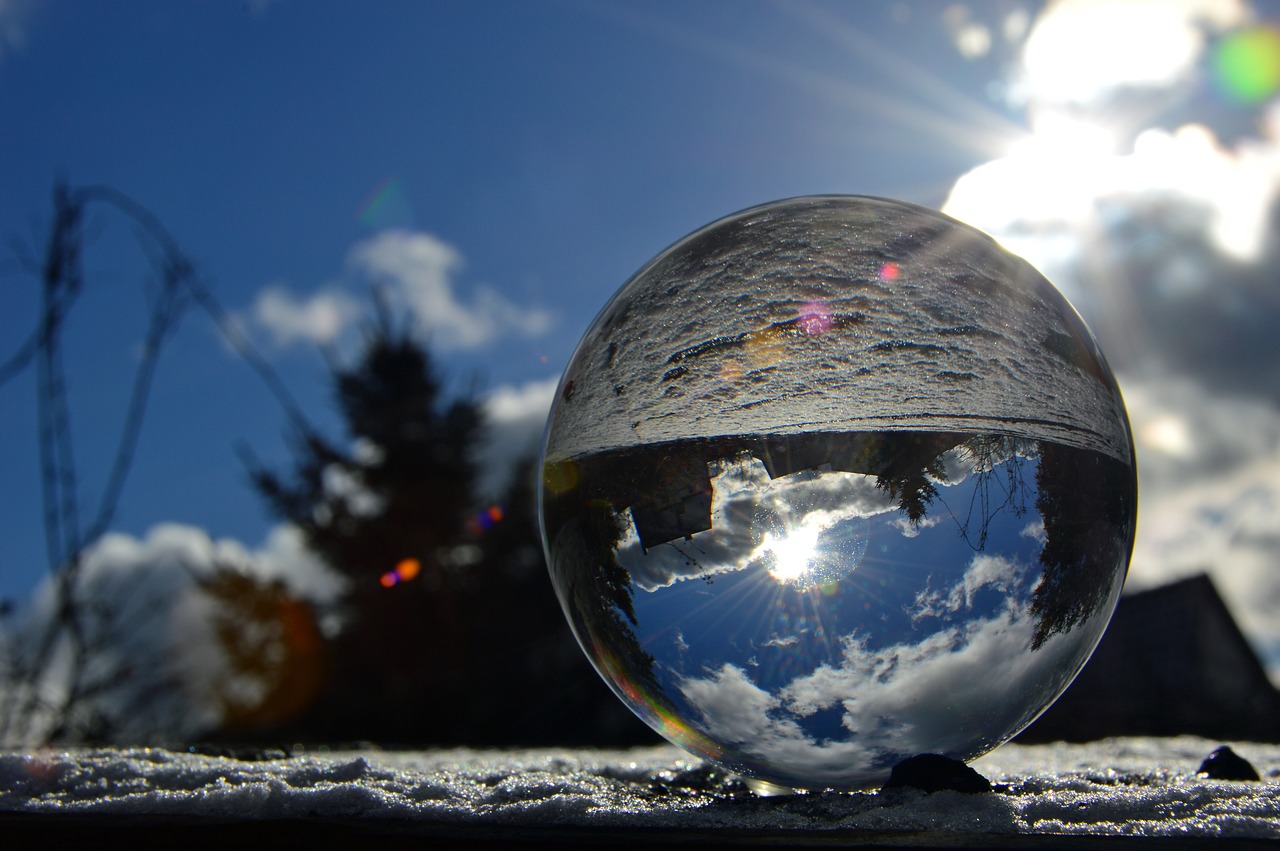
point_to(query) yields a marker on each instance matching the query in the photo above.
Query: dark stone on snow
(1226, 764)
(933, 772)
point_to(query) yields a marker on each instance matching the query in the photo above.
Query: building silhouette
(1172, 662)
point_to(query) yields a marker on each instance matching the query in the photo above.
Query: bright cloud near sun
(1079, 56)
(742, 493)
(1056, 181)
(1082, 51)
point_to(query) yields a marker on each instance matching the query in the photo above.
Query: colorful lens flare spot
(764, 349)
(387, 206)
(405, 571)
(815, 318)
(559, 476)
(1247, 64)
(483, 521)
(731, 371)
(654, 713)
(889, 272)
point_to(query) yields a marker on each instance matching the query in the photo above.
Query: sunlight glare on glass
(790, 555)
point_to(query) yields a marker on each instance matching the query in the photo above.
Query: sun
(790, 556)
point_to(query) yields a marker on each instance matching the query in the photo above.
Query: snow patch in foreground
(1136, 786)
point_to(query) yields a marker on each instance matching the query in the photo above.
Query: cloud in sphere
(749, 511)
(951, 672)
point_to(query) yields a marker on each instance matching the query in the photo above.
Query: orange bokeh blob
(408, 569)
(404, 571)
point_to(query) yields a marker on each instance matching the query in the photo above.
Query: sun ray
(885, 109)
(983, 129)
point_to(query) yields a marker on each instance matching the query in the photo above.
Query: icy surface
(1123, 786)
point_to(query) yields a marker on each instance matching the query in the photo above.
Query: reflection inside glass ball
(809, 518)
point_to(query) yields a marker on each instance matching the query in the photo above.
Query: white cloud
(1082, 51)
(284, 557)
(515, 417)
(1065, 182)
(145, 624)
(417, 271)
(1210, 498)
(984, 571)
(321, 318)
(912, 528)
(936, 694)
(526, 405)
(417, 274)
(13, 24)
(1035, 531)
(734, 708)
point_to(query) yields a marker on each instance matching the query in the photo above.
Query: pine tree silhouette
(389, 514)
(452, 632)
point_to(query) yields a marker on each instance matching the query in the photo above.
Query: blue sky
(532, 155)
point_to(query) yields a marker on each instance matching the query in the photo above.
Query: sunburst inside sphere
(833, 482)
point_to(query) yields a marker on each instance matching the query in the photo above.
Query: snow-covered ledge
(1138, 787)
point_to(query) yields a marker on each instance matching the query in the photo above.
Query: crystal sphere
(833, 482)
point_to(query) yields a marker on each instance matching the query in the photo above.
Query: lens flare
(815, 318)
(1247, 64)
(386, 206)
(484, 520)
(406, 571)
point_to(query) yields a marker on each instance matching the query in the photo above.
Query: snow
(1134, 786)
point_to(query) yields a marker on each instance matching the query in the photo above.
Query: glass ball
(833, 482)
